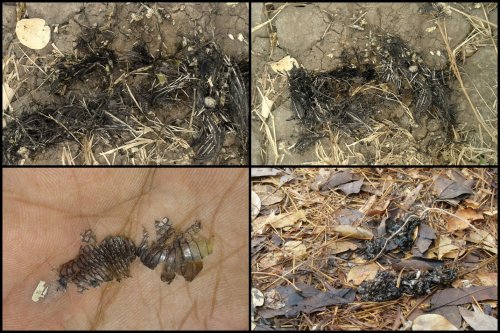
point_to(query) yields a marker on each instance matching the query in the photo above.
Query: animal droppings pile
(385, 286)
(369, 86)
(185, 103)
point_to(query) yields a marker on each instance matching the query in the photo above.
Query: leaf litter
(478, 320)
(327, 247)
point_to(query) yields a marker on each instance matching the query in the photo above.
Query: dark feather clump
(181, 252)
(95, 264)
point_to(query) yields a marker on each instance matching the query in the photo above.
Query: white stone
(210, 102)
(413, 69)
(39, 292)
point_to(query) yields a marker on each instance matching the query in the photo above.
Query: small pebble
(419, 133)
(433, 125)
(413, 69)
(210, 102)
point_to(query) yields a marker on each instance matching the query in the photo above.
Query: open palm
(46, 210)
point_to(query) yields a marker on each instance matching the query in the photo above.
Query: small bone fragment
(39, 292)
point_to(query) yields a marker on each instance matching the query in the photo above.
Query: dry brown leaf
(270, 259)
(257, 297)
(478, 320)
(268, 194)
(368, 204)
(287, 219)
(459, 296)
(472, 204)
(379, 209)
(369, 188)
(412, 196)
(432, 322)
(351, 187)
(256, 205)
(491, 212)
(347, 216)
(335, 179)
(284, 65)
(358, 274)
(417, 263)
(257, 300)
(33, 33)
(451, 314)
(425, 237)
(262, 172)
(416, 174)
(452, 191)
(323, 175)
(484, 239)
(297, 248)
(353, 232)
(259, 224)
(488, 279)
(286, 178)
(273, 299)
(446, 248)
(277, 221)
(290, 303)
(459, 222)
(341, 246)
(345, 181)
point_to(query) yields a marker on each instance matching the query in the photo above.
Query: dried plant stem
(454, 67)
(257, 27)
(192, 110)
(451, 214)
(471, 17)
(278, 276)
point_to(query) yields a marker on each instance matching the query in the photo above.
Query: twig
(57, 49)
(489, 29)
(454, 67)
(125, 75)
(473, 17)
(359, 18)
(34, 63)
(257, 27)
(192, 110)
(270, 136)
(121, 121)
(62, 125)
(131, 95)
(279, 276)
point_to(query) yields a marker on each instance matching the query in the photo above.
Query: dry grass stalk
(491, 132)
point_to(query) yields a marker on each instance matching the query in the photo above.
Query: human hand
(46, 210)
